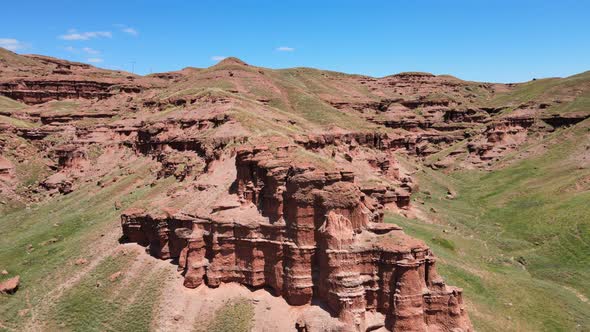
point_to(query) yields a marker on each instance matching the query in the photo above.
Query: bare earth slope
(284, 191)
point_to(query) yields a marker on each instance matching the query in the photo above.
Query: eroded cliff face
(308, 234)
(37, 92)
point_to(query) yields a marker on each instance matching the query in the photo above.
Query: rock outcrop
(10, 286)
(6, 169)
(41, 91)
(307, 234)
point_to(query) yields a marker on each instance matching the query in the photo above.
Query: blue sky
(498, 41)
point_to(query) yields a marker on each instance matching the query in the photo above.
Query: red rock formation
(59, 182)
(501, 136)
(567, 119)
(65, 117)
(41, 91)
(69, 156)
(307, 233)
(10, 286)
(6, 169)
(36, 133)
(180, 164)
(466, 115)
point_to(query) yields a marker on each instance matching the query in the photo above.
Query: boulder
(10, 286)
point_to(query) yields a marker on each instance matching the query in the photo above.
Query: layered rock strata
(41, 91)
(306, 234)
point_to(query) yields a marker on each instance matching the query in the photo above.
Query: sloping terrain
(493, 178)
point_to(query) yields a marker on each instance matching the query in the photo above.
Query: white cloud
(12, 44)
(130, 31)
(127, 29)
(95, 60)
(90, 50)
(75, 35)
(218, 57)
(70, 49)
(285, 49)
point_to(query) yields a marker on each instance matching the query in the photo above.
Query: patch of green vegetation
(15, 60)
(302, 88)
(550, 90)
(262, 124)
(580, 104)
(312, 80)
(30, 173)
(539, 209)
(521, 235)
(235, 316)
(63, 105)
(199, 89)
(526, 91)
(41, 242)
(101, 302)
(445, 243)
(7, 104)
(500, 294)
(232, 64)
(94, 151)
(303, 155)
(16, 122)
(314, 110)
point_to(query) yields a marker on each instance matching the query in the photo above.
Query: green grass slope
(517, 238)
(41, 243)
(234, 316)
(8, 105)
(570, 94)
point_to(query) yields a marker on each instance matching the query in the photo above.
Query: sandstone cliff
(315, 236)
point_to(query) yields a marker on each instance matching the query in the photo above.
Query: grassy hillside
(518, 238)
(9, 105)
(43, 243)
(500, 294)
(570, 94)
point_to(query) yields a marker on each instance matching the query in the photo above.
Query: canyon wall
(314, 236)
